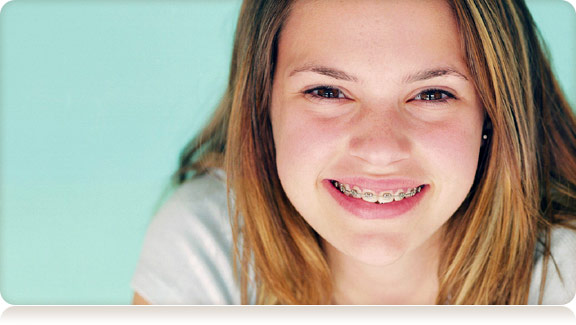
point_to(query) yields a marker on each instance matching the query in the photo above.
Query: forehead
(371, 34)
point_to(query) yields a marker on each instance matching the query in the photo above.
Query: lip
(368, 210)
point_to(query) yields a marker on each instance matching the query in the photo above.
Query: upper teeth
(371, 196)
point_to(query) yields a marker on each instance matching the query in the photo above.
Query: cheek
(452, 152)
(301, 150)
(304, 145)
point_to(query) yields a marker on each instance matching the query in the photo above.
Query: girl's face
(377, 124)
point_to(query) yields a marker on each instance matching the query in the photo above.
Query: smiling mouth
(371, 196)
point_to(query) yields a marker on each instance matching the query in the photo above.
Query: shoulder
(186, 257)
(199, 201)
(560, 286)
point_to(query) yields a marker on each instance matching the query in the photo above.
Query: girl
(375, 152)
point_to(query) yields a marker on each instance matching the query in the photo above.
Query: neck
(410, 280)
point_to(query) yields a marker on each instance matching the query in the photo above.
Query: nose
(380, 138)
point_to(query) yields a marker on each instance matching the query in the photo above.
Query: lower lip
(369, 210)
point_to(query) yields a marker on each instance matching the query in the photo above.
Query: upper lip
(379, 185)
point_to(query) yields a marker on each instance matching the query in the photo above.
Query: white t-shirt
(187, 252)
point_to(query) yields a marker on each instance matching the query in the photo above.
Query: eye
(325, 92)
(434, 95)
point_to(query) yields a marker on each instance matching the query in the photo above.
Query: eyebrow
(433, 73)
(418, 76)
(326, 71)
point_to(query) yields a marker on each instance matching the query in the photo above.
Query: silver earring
(484, 136)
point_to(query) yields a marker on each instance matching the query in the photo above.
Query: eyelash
(444, 95)
(311, 93)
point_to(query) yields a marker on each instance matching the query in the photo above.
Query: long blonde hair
(525, 182)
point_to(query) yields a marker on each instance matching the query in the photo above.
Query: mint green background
(97, 98)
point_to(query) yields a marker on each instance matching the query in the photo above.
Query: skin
(138, 300)
(377, 121)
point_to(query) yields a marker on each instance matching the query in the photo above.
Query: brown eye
(326, 92)
(434, 95)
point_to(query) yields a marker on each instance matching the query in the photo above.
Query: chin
(378, 250)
